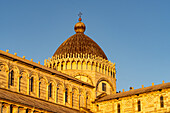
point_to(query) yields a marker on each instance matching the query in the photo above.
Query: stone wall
(142, 103)
(23, 73)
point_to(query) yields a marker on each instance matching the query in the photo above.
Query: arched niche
(75, 100)
(104, 85)
(23, 81)
(84, 78)
(42, 87)
(60, 93)
(74, 66)
(4, 75)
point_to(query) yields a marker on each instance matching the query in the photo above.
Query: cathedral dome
(80, 43)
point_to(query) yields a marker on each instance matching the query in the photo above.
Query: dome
(80, 43)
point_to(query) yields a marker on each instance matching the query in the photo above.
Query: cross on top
(80, 14)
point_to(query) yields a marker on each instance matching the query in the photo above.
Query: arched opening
(66, 95)
(60, 94)
(58, 67)
(50, 90)
(88, 65)
(68, 65)
(118, 108)
(31, 84)
(114, 74)
(139, 105)
(81, 103)
(11, 78)
(84, 65)
(104, 85)
(57, 94)
(3, 70)
(93, 66)
(79, 65)
(75, 98)
(20, 83)
(103, 70)
(99, 65)
(74, 65)
(23, 81)
(161, 102)
(63, 65)
(42, 88)
(54, 66)
(108, 73)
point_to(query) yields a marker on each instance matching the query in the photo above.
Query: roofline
(132, 92)
(43, 68)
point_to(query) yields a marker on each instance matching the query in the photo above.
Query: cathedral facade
(77, 78)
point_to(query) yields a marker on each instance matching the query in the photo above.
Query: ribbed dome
(80, 43)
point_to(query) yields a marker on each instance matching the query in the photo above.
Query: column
(0, 107)
(6, 108)
(22, 110)
(15, 109)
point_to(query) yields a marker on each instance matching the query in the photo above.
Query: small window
(103, 87)
(161, 102)
(50, 90)
(39, 89)
(73, 99)
(57, 94)
(97, 107)
(66, 95)
(61, 66)
(118, 108)
(113, 75)
(32, 84)
(57, 67)
(54, 66)
(20, 83)
(139, 105)
(11, 78)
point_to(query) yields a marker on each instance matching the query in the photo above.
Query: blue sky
(135, 34)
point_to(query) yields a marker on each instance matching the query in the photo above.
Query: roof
(134, 92)
(42, 68)
(80, 43)
(36, 103)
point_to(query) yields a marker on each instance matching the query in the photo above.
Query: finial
(80, 26)
(80, 16)
(163, 82)
(152, 84)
